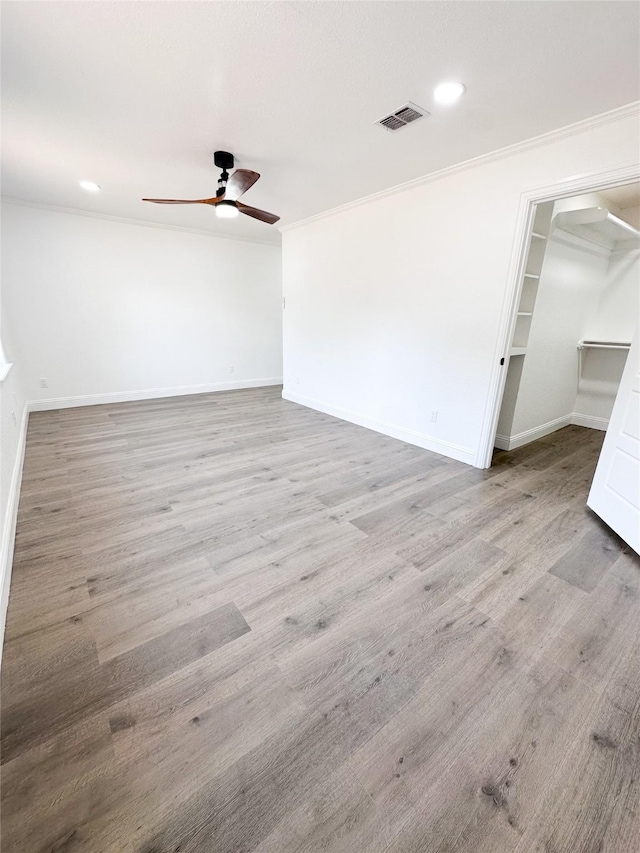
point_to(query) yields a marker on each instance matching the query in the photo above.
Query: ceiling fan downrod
(223, 160)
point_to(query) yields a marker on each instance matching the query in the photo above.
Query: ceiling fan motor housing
(223, 160)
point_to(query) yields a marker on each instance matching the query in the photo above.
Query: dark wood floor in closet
(240, 626)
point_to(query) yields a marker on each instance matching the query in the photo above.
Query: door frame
(588, 182)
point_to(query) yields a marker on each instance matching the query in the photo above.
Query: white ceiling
(136, 96)
(624, 197)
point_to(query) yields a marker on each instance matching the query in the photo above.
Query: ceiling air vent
(402, 117)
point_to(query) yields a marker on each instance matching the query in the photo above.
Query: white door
(615, 491)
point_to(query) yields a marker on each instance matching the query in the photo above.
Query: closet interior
(579, 303)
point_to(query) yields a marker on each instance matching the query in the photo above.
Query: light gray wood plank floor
(237, 625)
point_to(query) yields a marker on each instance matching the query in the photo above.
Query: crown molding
(123, 220)
(627, 111)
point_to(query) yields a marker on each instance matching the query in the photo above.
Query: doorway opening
(577, 310)
(574, 359)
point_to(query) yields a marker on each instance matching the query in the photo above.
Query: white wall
(631, 215)
(109, 308)
(394, 306)
(614, 318)
(13, 417)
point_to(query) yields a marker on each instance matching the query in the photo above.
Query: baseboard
(148, 394)
(589, 421)
(9, 524)
(506, 442)
(501, 442)
(428, 442)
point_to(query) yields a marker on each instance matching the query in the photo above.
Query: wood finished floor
(240, 626)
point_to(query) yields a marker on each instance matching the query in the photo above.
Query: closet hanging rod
(610, 345)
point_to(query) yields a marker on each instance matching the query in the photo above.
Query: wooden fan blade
(240, 182)
(214, 200)
(262, 215)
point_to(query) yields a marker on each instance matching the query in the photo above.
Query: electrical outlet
(434, 416)
(231, 368)
(44, 383)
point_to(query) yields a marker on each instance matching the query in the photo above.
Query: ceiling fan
(229, 191)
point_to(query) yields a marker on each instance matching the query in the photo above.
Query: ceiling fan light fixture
(226, 210)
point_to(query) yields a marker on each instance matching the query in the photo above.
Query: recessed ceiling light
(448, 93)
(90, 186)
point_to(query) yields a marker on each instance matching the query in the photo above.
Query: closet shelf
(603, 345)
(517, 351)
(531, 275)
(599, 226)
(609, 345)
(525, 313)
(538, 236)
